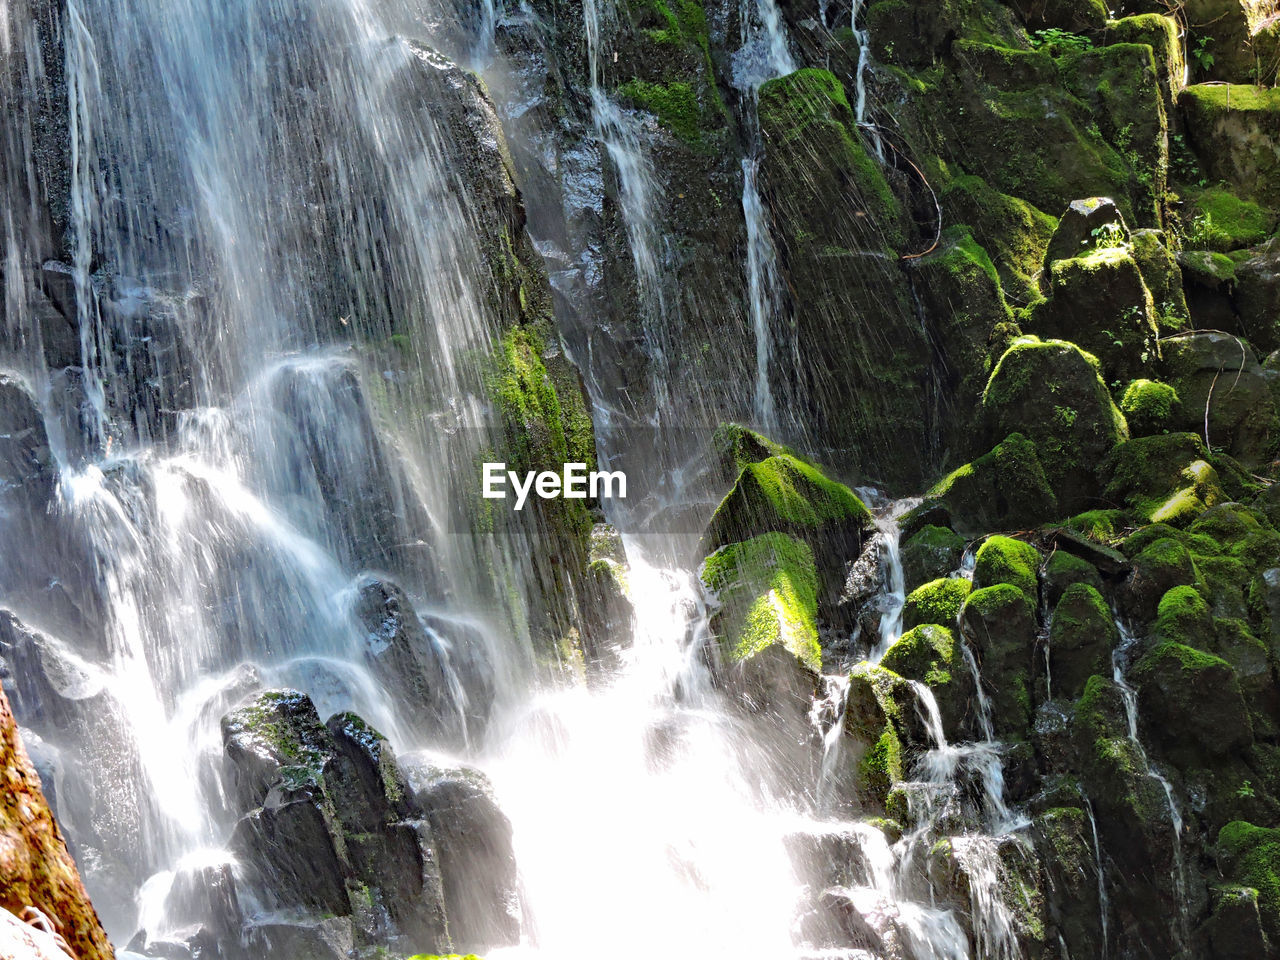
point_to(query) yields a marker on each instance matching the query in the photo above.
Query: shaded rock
(1054, 393)
(999, 624)
(1082, 634)
(931, 553)
(1004, 489)
(1235, 130)
(1190, 702)
(1085, 226)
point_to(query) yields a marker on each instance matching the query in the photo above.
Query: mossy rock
(961, 294)
(873, 712)
(1005, 489)
(839, 229)
(917, 35)
(1250, 855)
(767, 591)
(785, 494)
(1013, 232)
(1164, 478)
(1088, 16)
(930, 553)
(738, 447)
(1163, 277)
(1101, 302)
(936, 602)
(1053, 392)
(1162, 34)
(1082, 634)
(1223, 221)
(766, 621)
(1161, 566)
(1191, 702)
(1148, 406)
(1234, 930)
(1184, 617)
(1063, 570)
(1005, 560)
(929, 654)
(1235, 130)
(999, 624)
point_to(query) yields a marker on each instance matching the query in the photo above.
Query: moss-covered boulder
(1053, 392)
(1158, 264)
(929, 654)
(1005, 560)
(1086, 226)
(1191, 703)
(1148, 406)
(937, 602)
(1011, 231)
(784, 494)
(1164, 478)
(1218, 378)
(1062, 571)
(1235, 130)
(930, 553)
(1183, 617)
(874, 748)
(1159, 567)
(1235, 930)
(1082, 634)
(1256, 297)
(608, 614)
(1250, 856)
(1004, 489)
(1064, 841)
(1100, 301)
(999, 624)
(1223, 221)
(766, 591)
(1161, 33)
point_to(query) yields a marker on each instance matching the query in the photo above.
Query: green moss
(1163, 478)
(937, 602)
(738, 447)
(926, 653)
(931, 552)
(1082, 634)
(1224, 221)
(1250, 855)
(785, 494)
(1183, 617)
(1013, 231)
(1063, 569)
(1005, 560)
(1148, 406)
(674, 104)
(1004, 489)
(767, 587)
(1103, 526)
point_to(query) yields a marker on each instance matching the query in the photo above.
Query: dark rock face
(337, 829)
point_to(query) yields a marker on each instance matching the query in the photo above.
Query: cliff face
(35, 868)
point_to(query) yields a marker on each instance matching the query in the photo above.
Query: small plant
(1063, 39)
(1183, 162)
(1246, 791)
(1108, 236)
(1200, 53)
(1202, 234)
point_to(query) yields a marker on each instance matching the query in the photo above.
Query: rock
(999, 624)
(1005, 560)
(839, 229)
(1004, 489)
(928, 654)
(337, 831)
(1053, 392)
(1148, 407)
(938, 601)
(1065, 843)
(1086, 226)
(1190, 702)
(1219, 373)
(1160, 567)
(477, 862)
(1250, 856)
(786, 495)
(1063, 14)
(1235, 130)
(1165, 478)
(1163, 35)
(608, 615)
(412, 661)
(766, 588)
(1235, 930)
(1082, 634)
(931, 553)
(329, 938)
(872, 741)
(1163, 277)
(1256, 297)
(1064, 570)
(34, 862)
(1100, 301)
(836, 855)
(27, 470)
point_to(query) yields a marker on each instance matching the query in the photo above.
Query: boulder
(1218, 378)
(1086, 226)
(1005, 489)
(1053, 393)
(1082, 634)
(1250, 856)
(1163, 478)
(938, 601)
(1190, 702)
(1062, 571)
(1235, 130)
(1005, 560)
(766, 591)
(998, 623)
(930, 553)
(929, 654)
(1149, 406)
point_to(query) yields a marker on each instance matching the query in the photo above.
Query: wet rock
(837, 857)
(1082, 634)
(1257, 297)
(1191, 703)
(477, 862)
(1062, 571)
(1065, 842)
(608, 615)
(27, 471)
(1235, 931)
(999, 623)
(330, 938)
(931, 553)
(1005, 489)
(411, 660)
